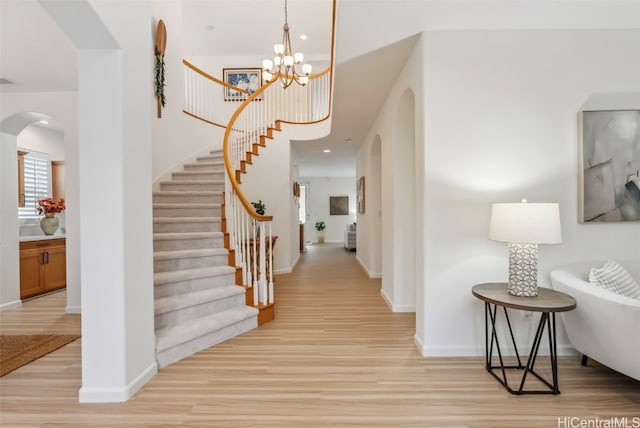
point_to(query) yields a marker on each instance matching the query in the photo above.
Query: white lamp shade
(526, 223)
(277, 60)
(266, 76)
(306, 69)
(298, 58)
(278, 48)
(288, 61)
(267, 64)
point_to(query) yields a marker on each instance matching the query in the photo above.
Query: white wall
(319, 189)
(268, 179)
(40, 139)
(177, 138)
(9, 247)
(499, 113)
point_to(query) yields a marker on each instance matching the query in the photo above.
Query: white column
(114, 154)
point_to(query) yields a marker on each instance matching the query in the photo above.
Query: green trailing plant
(159, 78)
(259, 207)
(320, 226)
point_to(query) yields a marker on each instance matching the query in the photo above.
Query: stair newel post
(254, 264)
(262, 266)
(247, 246)
(270, 264)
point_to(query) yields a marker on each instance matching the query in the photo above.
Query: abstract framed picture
(338, 205)
(360, 195)
(249, 79)
(609, 166)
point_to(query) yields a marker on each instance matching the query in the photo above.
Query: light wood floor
(335, 356)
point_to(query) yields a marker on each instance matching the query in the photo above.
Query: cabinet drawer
(46, 243)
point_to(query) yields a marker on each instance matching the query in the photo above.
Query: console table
(547, 302)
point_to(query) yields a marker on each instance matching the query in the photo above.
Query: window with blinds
(37, 183)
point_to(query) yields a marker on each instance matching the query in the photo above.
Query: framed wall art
(249, 79)
(360, 195)
(609, 166)
(338, 205)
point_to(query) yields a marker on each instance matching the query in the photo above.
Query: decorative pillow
(614, 277)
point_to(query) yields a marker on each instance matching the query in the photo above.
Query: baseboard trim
(72, 310)
(394, 307)
(386, 299)
(478, 351)
(117, 395)
(372, 275)
(10, 305)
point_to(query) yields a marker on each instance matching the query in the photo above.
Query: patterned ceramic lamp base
(523, 270)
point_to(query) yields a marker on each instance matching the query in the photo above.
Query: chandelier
(286, 65)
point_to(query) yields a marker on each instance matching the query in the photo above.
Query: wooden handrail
(214, 79)
(227, 162)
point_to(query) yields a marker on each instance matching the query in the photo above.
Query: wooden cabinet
(43, 267)
(21, 199)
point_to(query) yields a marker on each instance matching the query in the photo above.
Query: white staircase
(197, 303)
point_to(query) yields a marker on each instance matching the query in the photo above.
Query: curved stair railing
(201, 90)
(252, 124)
(248, 130)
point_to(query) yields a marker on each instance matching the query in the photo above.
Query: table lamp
(524, 226)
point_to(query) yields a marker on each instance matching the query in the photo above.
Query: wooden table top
(547, 300)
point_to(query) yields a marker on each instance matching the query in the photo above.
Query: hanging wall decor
(609, 166)
(161, 44)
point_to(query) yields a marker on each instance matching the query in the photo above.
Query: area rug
(18, 350)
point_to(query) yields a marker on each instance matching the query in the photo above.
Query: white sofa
(350, 237)
(605, 326)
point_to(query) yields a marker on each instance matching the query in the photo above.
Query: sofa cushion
(614, 277)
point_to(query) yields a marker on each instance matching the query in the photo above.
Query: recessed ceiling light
(347, 140)
(327, 151)
(44, 122)
(303, 37)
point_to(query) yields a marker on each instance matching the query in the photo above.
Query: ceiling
(216, 27)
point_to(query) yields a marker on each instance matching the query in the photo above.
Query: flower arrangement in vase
(50, 207)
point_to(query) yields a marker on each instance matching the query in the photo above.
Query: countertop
(27, 238)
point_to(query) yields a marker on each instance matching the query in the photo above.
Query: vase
(49, 223)
(320, 237)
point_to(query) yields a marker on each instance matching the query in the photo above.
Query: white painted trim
(72, 310)
(10, 305)
(475, 351)
(394, 307)
(372, 275)
(386, 299)
(117, 395)
(281, 271)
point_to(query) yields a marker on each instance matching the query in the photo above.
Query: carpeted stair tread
(163, 305)
(186, 219)
(169, 337)
(185, 205)
(192, 182)
(177, 254)
(160, 278)
(208, 162)
(186, 193)
(186, 235)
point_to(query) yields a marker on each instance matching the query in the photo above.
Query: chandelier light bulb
(285, 61)
(288, 61)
